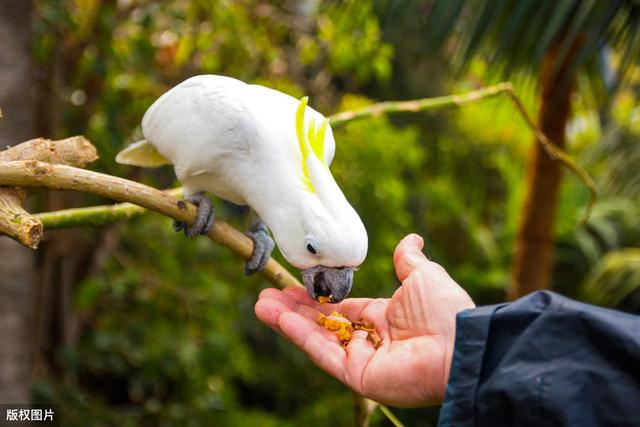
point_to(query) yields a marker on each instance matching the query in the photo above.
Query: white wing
(200, 123)
(227, 137)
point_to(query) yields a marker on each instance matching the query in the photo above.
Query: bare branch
(15, 221)
(426, 104)
(38, 174)
(417, 105)
(74, 151)
(95, 215)
(363, 408)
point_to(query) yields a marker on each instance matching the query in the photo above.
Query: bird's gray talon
(263, 245)
(204, 218)
(264, 259)
(209, 224)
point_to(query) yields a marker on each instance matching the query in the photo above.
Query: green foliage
(347, 54)
(519, 33)
(615, 278)
(382, 198)
(590, 258)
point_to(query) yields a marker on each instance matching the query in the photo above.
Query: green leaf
(614, 278)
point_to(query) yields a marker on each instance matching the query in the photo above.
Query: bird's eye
(311, 249)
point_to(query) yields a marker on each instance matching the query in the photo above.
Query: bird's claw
(262, 247)
(204, 218)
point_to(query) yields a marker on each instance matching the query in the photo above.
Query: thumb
(408, 255)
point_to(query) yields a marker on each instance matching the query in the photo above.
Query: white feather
(238, 142)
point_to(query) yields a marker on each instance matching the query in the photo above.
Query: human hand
(417, 325)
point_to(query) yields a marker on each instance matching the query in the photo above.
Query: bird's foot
(262, 247)
(204, 219)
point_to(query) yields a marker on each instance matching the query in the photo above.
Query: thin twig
(95, 215)
(394, 420)
(425, 104)
(417, 105)
(557, 153)
(363, 408)
(91, 216)
(38, 174)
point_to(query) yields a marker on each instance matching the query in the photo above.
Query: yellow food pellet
(343, 328)
(344, 334)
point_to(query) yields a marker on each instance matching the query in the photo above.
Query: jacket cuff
(472, 331)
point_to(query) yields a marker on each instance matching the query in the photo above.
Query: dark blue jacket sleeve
(544, 360)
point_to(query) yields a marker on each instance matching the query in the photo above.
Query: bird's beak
(332, 282)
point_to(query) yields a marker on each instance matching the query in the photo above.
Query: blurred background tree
(555, 41)
(136, 325)
(17, 281)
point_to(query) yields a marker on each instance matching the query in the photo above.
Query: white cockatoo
(256, 146)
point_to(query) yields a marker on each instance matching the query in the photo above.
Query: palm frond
(615, 278)
(516, 34)
(611, 227)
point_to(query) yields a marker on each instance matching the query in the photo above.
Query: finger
(278, 295)
(299, 295)
(359, 353)
(351, 308)
(309, 313)
(269, 310)
(313, 315)
(408, 255)
(376, 313)
(325, 354)
(427, 303)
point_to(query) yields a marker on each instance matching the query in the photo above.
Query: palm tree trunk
(16, 262)
(532, 261)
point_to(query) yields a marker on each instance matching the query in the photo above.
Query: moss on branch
(95, 215)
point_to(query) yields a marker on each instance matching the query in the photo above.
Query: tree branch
(92, 216)
(425, 104)
(15, 221)
(95, 215)
(38, 174)
(363, 408)
(417, 105)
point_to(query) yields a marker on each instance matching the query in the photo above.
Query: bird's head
(325, 238)
(334, 244)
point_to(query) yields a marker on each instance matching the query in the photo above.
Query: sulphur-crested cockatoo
(255, 146)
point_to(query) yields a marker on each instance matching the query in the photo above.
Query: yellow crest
(311, 141)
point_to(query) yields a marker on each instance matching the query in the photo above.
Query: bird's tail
(143, 154)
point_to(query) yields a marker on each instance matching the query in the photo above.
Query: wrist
(449, 345)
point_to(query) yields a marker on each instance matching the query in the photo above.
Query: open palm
(417, 325)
